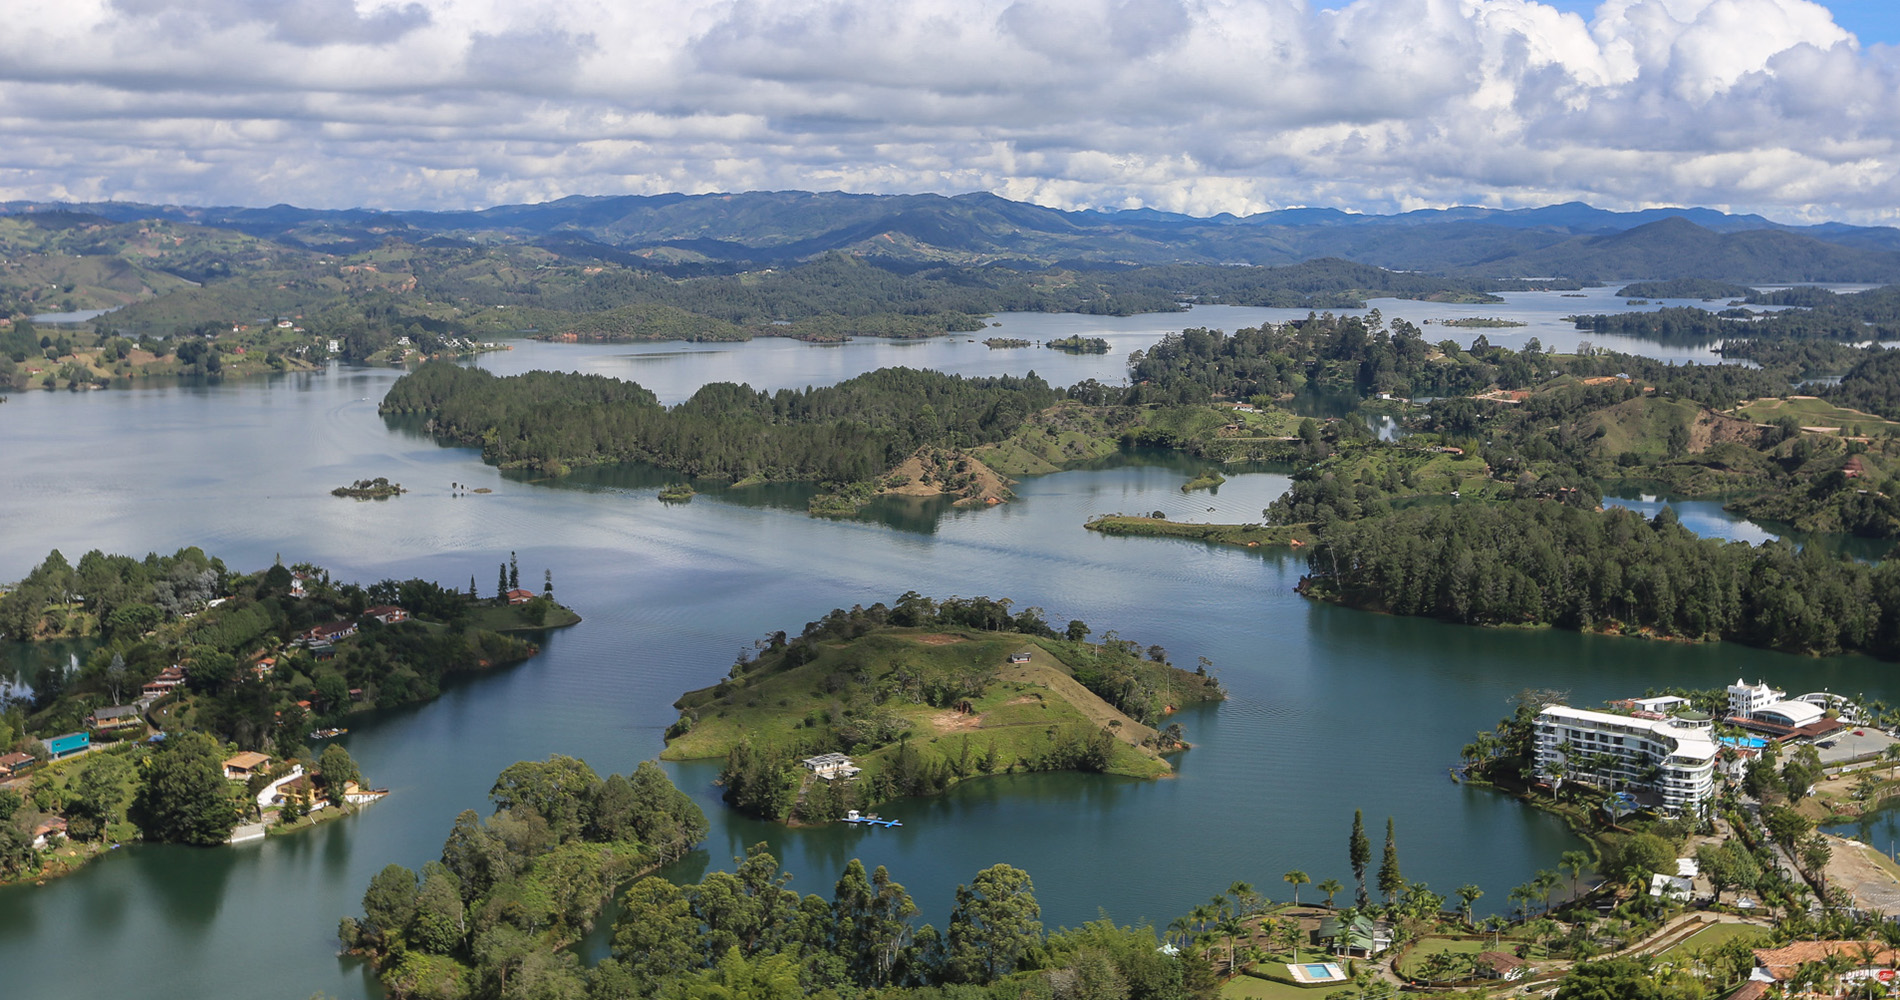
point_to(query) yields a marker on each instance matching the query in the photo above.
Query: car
(1827, 744)
(1860, 732)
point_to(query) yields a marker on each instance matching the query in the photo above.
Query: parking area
(1851, 743)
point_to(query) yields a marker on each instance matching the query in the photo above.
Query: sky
(1789, 108)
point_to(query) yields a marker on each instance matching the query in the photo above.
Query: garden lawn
(1716, 934)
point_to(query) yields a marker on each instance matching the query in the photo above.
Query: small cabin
(1019, 656)
(242, 766)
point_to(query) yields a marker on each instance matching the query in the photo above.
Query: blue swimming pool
(1320, 971)
(1749, 742)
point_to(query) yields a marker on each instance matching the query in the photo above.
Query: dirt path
(1873, 879)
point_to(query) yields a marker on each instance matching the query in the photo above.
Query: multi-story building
(1744, 700)
(1672, 757)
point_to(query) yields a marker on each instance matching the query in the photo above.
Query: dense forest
(492, 917)
(1532, 562)
(855, 430)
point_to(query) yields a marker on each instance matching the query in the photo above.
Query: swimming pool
(1746, 742)
(1319, 971)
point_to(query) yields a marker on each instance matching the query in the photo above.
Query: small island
(1481, 323)
(1205, 481)
(678, 493)
(370, 489)
(873, 704)
(1250, 536)
(994, 343)
(1079, 344)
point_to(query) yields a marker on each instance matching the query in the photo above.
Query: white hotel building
(1672, 757)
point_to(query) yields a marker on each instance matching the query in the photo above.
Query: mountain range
(714, 233)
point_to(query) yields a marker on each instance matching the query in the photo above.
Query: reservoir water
(1331, 709)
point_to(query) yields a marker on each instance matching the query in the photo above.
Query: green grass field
(513, 618)
(1255, 988)
(1716, 934)
(1812, 412)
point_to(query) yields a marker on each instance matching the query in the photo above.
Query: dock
(855, 819)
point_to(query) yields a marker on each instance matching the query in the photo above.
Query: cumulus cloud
(1189, 105)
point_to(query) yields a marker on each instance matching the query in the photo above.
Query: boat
(325, 734)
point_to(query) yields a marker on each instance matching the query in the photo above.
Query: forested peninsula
(923, 694)
(187, 663)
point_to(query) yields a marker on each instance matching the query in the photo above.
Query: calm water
(1331, 709)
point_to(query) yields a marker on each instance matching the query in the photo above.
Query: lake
(1331, 709)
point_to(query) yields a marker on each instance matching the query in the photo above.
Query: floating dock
(853, 818)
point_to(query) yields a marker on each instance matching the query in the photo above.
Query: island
(1078, 344)
(872, 704)
(1250, 536)
(1205, 481)
(678, 493)
(191, 716)
(995, 343)
(370, 489)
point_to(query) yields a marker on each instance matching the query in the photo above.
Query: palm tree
(1246, 900)
(1574, 862)
(1546, 881)
(1495, 923)
(1467, 895)
(1522, 896)
(1296, 878)
(1331, 888)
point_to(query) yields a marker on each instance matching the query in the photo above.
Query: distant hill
(772, 228)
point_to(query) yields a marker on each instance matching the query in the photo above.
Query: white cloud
(1189, 105)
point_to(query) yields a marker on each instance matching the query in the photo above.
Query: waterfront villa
(1364, 937)
(831, 766)
(519, 596)
(1673, 757)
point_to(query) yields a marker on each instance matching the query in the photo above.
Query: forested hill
(855, 430)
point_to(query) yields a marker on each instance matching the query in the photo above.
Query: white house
(1674, 757)
(831, 766)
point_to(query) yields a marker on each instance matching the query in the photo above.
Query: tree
(115, 676)
(1574, 862)
(1331, 888)
(1391, 883)
(100, 793)
(1611, 979)
(1296, 878)
(1729, 866)
(656, 936)
(871, 920)
(1077, 630)
(1640, 855)
(185, 798)
(514, 573)
(440, 923)
(501, 583)
(1359, 849)
(339, 770)
(994, 923)
(1467, 895)
(389, 902)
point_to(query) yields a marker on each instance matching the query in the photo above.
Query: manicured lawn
(1254, 988)
(1427, 947)
(1716, 934)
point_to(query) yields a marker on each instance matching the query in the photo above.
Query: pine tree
(501, 583)
(514, 573)
(471, 586)
(547, 584)
(1360, 850)
(1391, 883)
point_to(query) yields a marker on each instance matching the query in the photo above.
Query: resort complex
(1672, 758)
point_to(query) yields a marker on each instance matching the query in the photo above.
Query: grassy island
(1252, 536)
(1482, 323)
(1079, 344)
(678, 493)
(1205, 481)
(927, 694)
(370, 489)
(994, 343)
